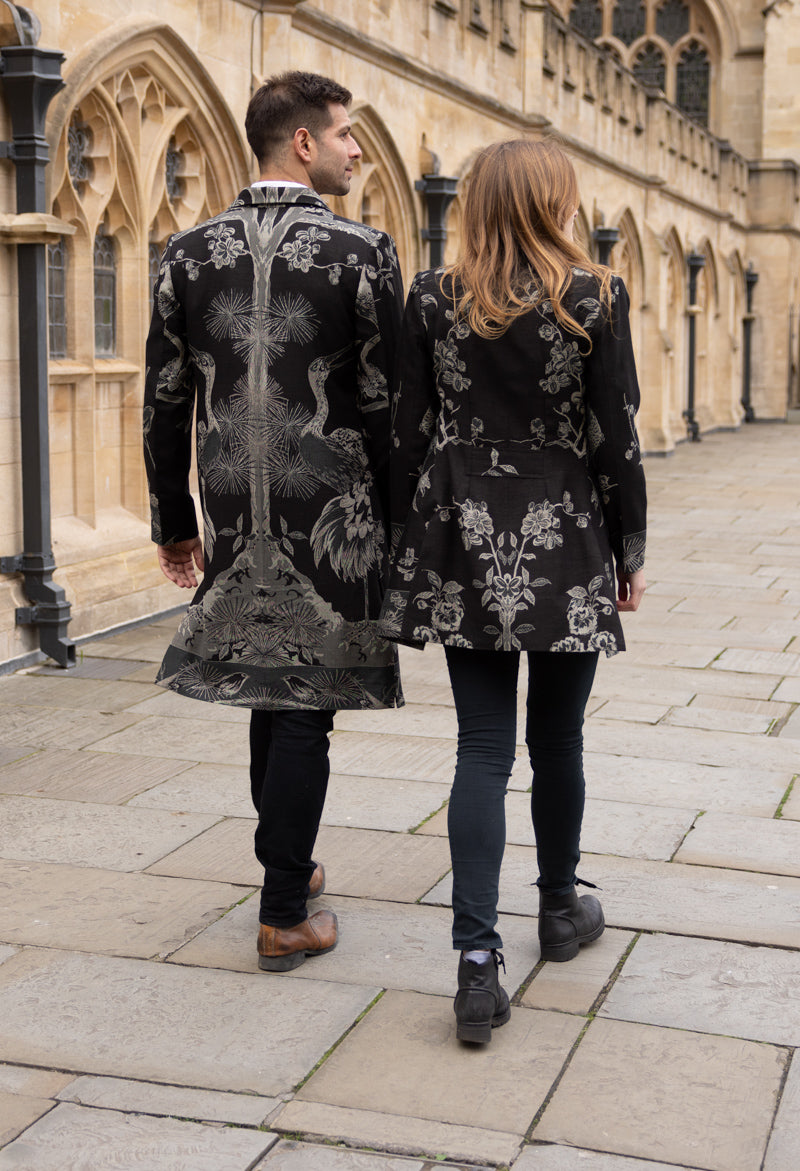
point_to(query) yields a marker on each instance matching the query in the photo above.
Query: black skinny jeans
(485, 692)
(289, 773)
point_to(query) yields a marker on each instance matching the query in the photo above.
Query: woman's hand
(178, 561)
(631, 589)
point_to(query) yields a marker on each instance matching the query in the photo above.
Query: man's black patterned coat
(280, 320)
(517, 478)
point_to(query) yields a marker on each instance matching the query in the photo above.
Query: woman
(517, 482)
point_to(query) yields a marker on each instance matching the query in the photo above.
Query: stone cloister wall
(433, 81)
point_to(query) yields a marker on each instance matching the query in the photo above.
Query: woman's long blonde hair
(515, 251)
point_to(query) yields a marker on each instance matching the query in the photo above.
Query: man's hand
(631, 589)
(178, 561)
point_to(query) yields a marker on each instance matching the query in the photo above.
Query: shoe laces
(499, 962)
(583, 882)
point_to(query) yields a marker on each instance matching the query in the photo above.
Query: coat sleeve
(379, 304)
(612, 402)
(415, 409)
(168, 409)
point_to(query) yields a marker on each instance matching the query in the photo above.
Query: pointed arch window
(672, 20)
(173, 166)
(57, 298)
(692, 78)
(105, 296)
(650, 67)
(586, 17)
(629, 19)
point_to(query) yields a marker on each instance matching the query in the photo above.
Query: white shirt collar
(278, 183)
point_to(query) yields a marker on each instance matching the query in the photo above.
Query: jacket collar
(269, 196)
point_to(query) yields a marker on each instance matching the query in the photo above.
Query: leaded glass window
(586, 17)
(57, 298)
(672, 20)
(173, 165)
(105, 296)
(692, 78)
(650, 68)
(79, 165)
(629, 20)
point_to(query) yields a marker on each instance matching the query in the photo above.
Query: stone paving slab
(84, 834)
(92, 668)
(162, 1023)
(714, 720)
(293, 1156)
(667, 1095)
(106, 696)
(791, 810)
(104, 777)
(413, 720)
(377, 803)
(791, 729)
(408, 948)
(133, 645)
(6, 953)
(759, 662)
(393, 756)
(26, 1082)
(788, 690)
(556, 1158)
(665, 896)
(113, 1093)
(689, 745)
(104, 911)
(682, 784)
(784, 1141)
(170, 704)
(390, 1132)
(710, 987)
(17, 1114)
(43, 728)
(680, 683)
(609, 827)
(190, 740)
(672, 654)
(199, 788)
(633, 711)
(69, 1134)
(362, 863)
(769, 846)
(402, 1058)
(12, 752)
(574, 987)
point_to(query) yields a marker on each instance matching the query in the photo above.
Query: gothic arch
(627, 258)
(180, 72)
(381, 193)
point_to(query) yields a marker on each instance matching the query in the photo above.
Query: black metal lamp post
(750, 282)
(605, 239)
(31, 77)
(695, 261)
(438, 191)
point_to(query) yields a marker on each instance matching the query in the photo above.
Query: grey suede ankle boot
(565, 922)
(481, 1004)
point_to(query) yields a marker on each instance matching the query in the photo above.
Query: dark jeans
(485, 692)
(288, 780)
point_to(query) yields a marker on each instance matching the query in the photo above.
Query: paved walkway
(137, 1032)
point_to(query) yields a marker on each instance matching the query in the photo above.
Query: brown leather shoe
(316, 886)
(280, 949)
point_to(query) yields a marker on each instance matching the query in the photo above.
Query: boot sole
(479, 1033)
(289, 962)
(560, 952)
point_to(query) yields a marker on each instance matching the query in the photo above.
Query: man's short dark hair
(285, 103)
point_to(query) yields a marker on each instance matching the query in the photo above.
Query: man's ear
(301, 144)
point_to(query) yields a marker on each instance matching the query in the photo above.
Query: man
(281, 319)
